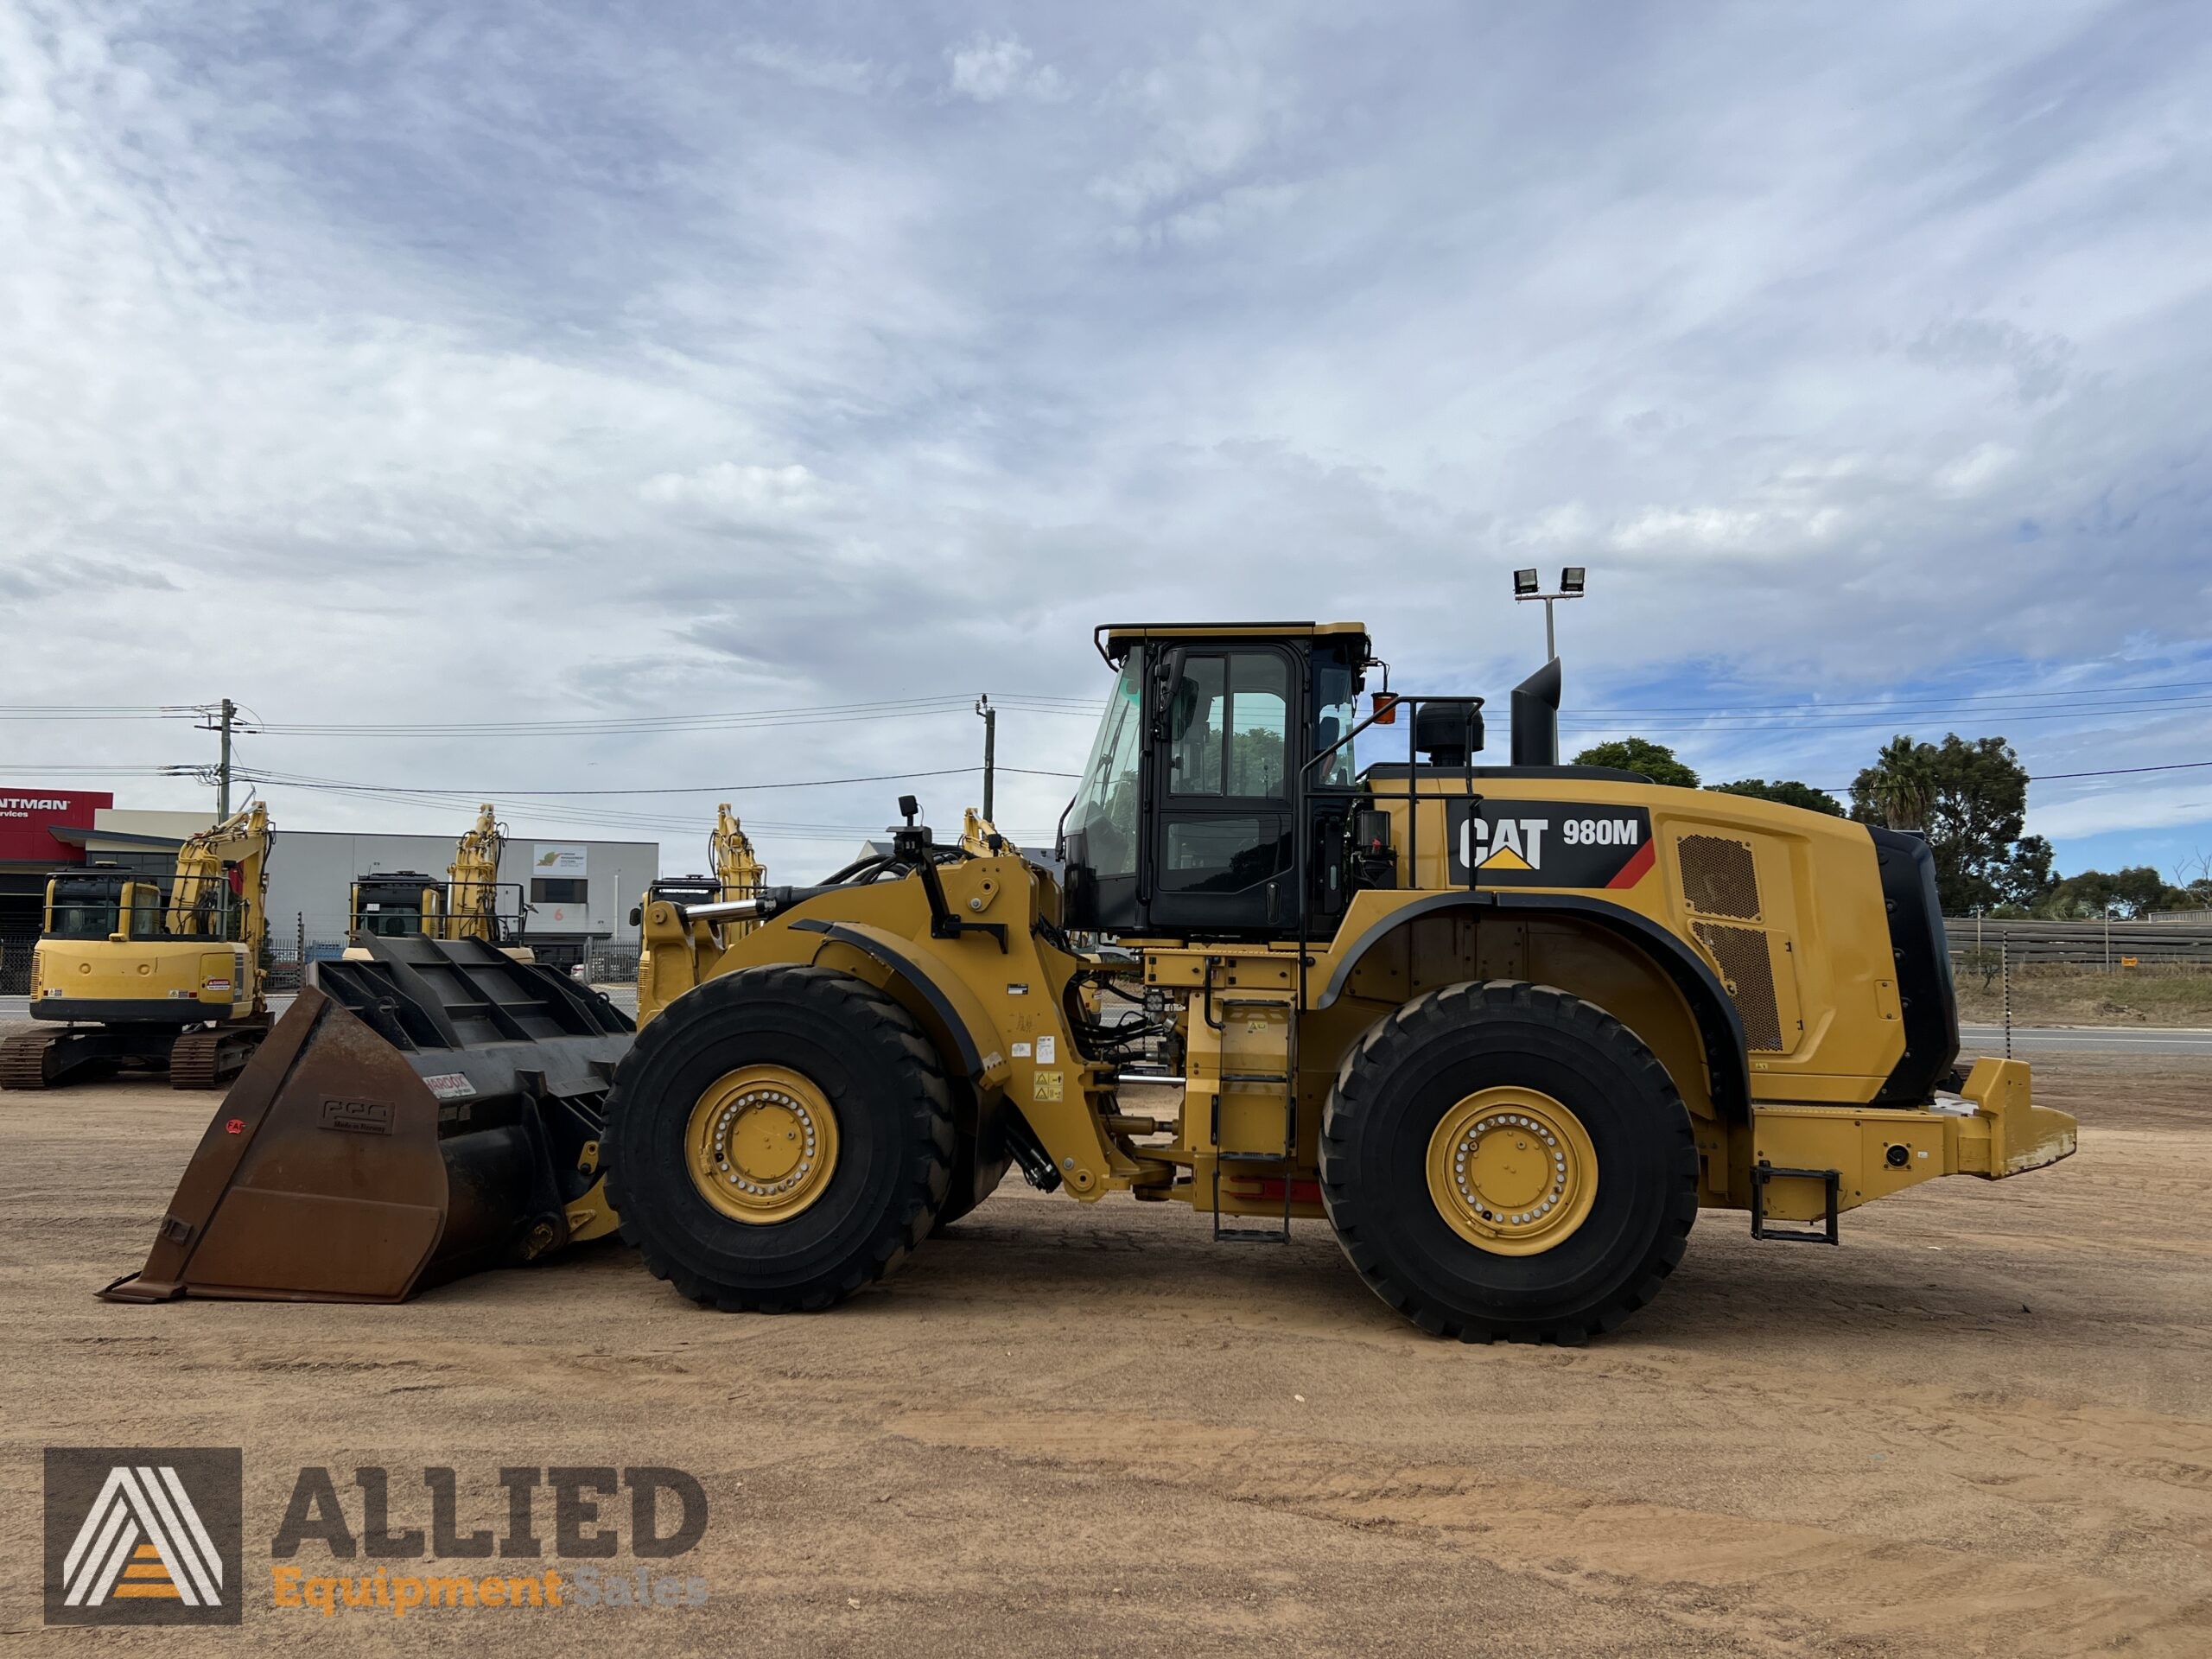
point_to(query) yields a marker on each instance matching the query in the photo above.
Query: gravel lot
(1983, 1426)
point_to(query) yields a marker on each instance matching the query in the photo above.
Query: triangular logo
(143, 1539)
(1504, 859)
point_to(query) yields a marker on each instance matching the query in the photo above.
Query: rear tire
(856, 1052)
(1470, 1061)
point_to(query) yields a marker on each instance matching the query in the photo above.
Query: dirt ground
(1983, 1426)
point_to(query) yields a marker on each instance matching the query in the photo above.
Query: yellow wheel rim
(761, 1144)
(1513, 1171)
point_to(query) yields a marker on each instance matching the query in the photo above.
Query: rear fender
(1718, 1024)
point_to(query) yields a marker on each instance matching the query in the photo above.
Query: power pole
(990, 749)
(225, 714)
(223, 776)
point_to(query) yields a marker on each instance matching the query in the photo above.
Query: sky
(409, 371)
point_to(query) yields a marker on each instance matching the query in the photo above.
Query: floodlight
(1570, 580)
(1524, 584)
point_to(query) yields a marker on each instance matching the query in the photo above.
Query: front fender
(967, 1029)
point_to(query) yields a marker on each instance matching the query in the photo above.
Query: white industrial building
(578, 893)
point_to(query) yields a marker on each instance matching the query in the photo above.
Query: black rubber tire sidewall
(894, 1128)
(1412, 1068)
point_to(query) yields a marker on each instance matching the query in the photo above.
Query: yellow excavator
(400, 904)
(737, 871)
(1506, 1030)
(128, 976)
(738, 874)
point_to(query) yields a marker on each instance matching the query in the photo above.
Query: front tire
(1504, 1160)
(780, 1138)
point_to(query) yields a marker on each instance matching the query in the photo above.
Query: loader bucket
(430, 1110)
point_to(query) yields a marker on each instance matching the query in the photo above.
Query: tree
(1786, 791)
(1900, 786)
(2134, 892)
(1970, 798)
(1654, 760)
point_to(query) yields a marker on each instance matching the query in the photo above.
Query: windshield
(1105, 811)
(389, 910)
(87, 908)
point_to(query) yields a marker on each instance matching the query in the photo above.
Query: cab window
(1230, 719)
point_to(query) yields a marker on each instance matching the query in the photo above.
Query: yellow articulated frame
(1995, 1130)
(1006, 1002)
(999, 1011)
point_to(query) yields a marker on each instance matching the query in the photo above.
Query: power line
(1930, 700)
(1787, 721)
(2061, 777)
(823, 714)
(87, 772)
(2117, 772)
(278, 778)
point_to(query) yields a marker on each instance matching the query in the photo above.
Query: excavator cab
(397, 903)
(86, 903)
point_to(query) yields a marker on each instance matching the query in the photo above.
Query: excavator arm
(473, 885)
(740, 871)
(222, 870)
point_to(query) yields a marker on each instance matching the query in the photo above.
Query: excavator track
(208, 1059)
(23, 1059)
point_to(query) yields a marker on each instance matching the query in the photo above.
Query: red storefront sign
(27, 813)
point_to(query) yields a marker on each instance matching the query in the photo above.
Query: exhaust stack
(1536, 718)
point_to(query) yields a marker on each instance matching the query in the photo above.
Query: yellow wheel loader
(134, 977)
(1505, 1028)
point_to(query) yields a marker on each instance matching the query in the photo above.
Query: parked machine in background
(466, 905)
(738, 874)
(130, 975)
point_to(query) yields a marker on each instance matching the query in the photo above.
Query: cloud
(732, 373)
(989, 70)
(729, 492)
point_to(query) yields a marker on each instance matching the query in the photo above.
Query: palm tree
(1902, 784)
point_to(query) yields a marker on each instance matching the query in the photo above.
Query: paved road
(1977, 1040)
(2059, 1040)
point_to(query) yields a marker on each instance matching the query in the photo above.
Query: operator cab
(1222, 756)
(104, 901)
(86, 903)
(397, 903)
(1221, 799)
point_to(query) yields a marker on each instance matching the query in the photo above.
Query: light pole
(1525, 586)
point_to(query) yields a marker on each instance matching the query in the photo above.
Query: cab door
(1224, 777)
